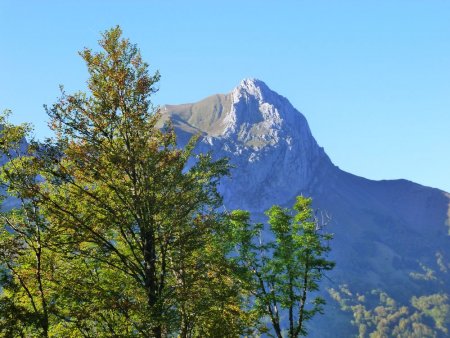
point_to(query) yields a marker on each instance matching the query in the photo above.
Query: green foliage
(427, 274)
(118, 231)
(435, 306)
(376, 314)
(117, 235)
(285, 271)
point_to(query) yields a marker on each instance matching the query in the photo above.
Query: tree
(285, 270)
(24, 255)
(119, 231)
(133, 219)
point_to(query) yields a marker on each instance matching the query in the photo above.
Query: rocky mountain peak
(262, 134)
(253, 87)
(259, 116)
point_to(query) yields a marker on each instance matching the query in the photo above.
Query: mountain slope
(383, 230)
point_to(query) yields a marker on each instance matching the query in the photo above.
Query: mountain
(390, 235)
(267, 140)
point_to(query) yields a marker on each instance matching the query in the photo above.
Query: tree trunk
(151, 282)
(275, 321)
(303, 302)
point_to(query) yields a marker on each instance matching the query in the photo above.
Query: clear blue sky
(371, 77)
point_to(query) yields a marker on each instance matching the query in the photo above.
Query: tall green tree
(284, 264)
(124, 190)
(132, 218)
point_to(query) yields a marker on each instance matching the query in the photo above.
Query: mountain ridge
(384, 230)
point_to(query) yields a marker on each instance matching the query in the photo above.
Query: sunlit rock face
(383, 230)
(265, 137)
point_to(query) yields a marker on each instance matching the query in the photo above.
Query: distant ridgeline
(391, 238)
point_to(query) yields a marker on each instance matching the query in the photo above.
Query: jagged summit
(254, 87)
(259, 90)
(262, 132)
(259, 115)
(251, 114)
